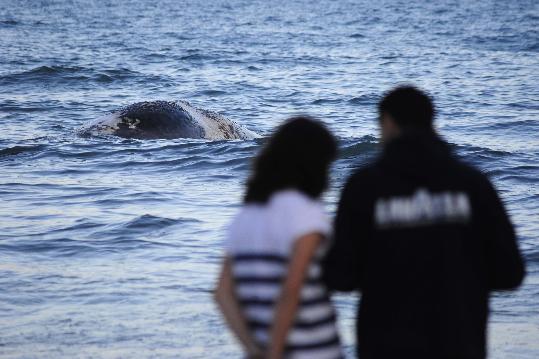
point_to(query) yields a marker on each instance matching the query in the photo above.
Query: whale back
(166, 119)
(216, 126)
(157, 119)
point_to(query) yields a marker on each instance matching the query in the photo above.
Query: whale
(166, 120)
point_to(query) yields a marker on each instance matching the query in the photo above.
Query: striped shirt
(260, 241)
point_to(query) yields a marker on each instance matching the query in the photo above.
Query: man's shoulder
(365, 173)
(363, 180)
(460, 171)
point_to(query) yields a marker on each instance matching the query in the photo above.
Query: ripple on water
(17, 150)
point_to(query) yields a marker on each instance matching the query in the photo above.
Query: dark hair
(297, 156)
(409, 107)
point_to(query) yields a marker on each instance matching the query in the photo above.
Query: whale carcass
(167, 119)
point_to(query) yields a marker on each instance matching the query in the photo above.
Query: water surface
(109, 247)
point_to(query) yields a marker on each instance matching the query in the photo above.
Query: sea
(110, 247)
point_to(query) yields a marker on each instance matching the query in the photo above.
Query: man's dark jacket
(424, 238)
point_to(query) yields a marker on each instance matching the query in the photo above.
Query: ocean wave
(196, 57)
(52, 70)
(324, 101)
(474, 150)
(534, 47)
(532, 257)
(147, 222)
(80, 240)
(60, 74)
(17, 150)
(532, 124)
(364, 145)
(211, 93)
(9, 22)
(364, 100)
(60, 247)
(40, 73)
(140, 226)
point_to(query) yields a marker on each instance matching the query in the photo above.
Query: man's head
(404, 109)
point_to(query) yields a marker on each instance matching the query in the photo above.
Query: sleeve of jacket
(505, 265)
(342, 264)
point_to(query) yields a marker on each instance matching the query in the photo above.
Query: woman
(270, 291)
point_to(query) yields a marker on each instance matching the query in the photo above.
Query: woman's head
(297, 156)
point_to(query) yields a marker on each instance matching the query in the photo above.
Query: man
(424, 238)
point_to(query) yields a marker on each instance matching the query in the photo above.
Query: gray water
(109, 247)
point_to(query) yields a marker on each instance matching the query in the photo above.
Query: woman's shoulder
(240, 229)
(299, 213)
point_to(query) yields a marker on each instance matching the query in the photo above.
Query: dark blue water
(109, 247)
